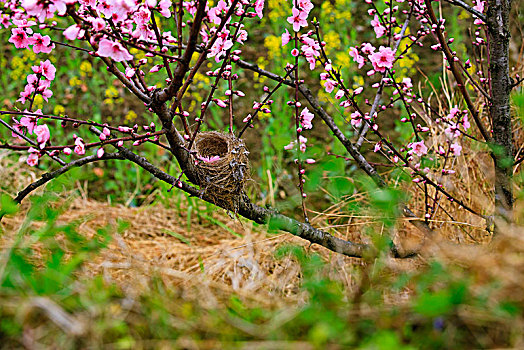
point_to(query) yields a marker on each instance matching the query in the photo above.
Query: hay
(222, 167)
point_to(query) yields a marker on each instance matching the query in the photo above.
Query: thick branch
(501, 85)
(265, 216)
(262, 215)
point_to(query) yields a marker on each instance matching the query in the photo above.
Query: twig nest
(221, 167)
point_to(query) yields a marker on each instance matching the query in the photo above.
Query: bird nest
(221, 167)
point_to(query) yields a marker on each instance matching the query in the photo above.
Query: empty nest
(221, 167)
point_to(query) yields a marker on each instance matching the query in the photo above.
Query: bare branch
(468, 8)
(31, 142)
(353, 151)
(456, 74)
(378, 96)
(54, 174)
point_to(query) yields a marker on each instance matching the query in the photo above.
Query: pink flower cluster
(381, 60)
(39, 82)
(299, 15)
(21, 39)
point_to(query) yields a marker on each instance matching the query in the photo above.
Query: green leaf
(177, 236)
(434, 304)
(7, 205)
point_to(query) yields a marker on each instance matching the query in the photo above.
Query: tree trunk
(501, 85)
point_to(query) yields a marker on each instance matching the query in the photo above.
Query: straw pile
(221, 166)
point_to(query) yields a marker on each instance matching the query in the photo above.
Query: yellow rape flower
(59, 110)
(39, 102)
(131, 116)
(342, 59)
(333, 41)
(273, 45)
(111, 92)
(86, 68)
(75, 81)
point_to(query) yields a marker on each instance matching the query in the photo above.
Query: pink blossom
(358, 90)
(46, 93)
(164, 8)
(4, 20)
(190, 6)
(356, 119)
(353, 52)
(19, 129)
(407, 83)
(305, 118)
(130, 72)
(41, 43)
(310, 161)
(259, 7)
(80, 147)
(67, 151)
(32, 160)
(215, 12)
(42, 135)
(382, 59)
(209, 159)
(290, 146)
(142, 16)
(24, 95)
(456, 149)
(479, 6)
(453, 112)
(298, 19)
(465, 122)
(98, 24)
(286, 37)
(39, 9)
(302, 140)
(418, 148)
(100, 152)
(242, 36)
(47, 69)
(377, 26)
(219, 47)
(220, 103)
(33, 80)
(113, 50)
(19, 38)
(155, 68)
(29, 123)
(73, 32)
(305, 5)
(339, 94)
(452, 131)
(330, 85)
(367, 48)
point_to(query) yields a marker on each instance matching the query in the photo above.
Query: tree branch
(353, 151)
(262, 215)
(468, 8)
(54, 174)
